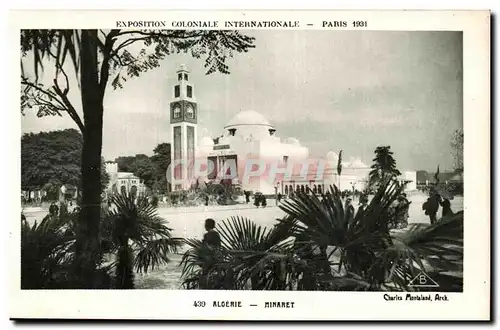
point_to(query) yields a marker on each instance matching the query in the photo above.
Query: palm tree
(140, 239)
(244, 261)
(384, 166)
(317, 247)
(48, 254)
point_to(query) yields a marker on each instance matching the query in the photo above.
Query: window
(177, 112)
(189, 91)
(186, 77)
(285, 159)
(177, 91)
(179, 76)
(190, 112)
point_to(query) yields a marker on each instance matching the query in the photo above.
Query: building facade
(123, 182)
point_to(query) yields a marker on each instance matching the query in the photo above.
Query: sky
(332, 90)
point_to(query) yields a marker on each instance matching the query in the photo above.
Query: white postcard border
(473, 303)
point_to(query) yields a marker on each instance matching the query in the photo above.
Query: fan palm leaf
(432, 249)
(46, 251)
(133, 225)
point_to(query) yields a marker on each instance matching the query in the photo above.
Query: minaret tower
(184, 130)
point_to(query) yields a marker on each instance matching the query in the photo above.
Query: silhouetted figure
(402, 211)
(247, 196)
(53, 209)
(263, 201)
(363, 204)
(431, 206)
(446, 205)
(211, 237)
(206, 200)
(279, 197)
(349, 210)
(257, 199)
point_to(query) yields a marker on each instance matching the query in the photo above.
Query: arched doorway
(123, 190)
(286, 190)
(114, 189)
(315, 189)
(133, 191)
(320, 189)
(302, 188)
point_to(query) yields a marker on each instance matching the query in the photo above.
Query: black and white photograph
(244, 156)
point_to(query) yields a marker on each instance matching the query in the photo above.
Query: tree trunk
(87, 244)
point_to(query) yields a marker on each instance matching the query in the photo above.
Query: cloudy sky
(332, 90)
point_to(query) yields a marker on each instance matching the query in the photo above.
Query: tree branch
(49, 94)
(69, 107)
(107, 54)
(66, 90)
(128, 42)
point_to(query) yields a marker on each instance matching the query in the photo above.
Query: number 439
(199, 304)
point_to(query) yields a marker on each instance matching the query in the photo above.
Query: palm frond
(151, 254)
(432, 249)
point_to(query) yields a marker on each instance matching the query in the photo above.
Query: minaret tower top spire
(183, 90)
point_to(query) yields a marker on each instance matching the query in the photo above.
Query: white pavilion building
(251, 143)
(250, 153)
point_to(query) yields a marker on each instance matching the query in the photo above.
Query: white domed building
(249, 153)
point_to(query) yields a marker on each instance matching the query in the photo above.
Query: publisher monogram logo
(422, 280)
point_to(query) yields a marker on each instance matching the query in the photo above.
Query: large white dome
(248, 117)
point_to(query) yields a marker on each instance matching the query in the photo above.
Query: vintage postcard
(251, 165)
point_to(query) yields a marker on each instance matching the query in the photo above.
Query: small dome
(292, 140)
(332, 156)
(206, 142)
(249, 117)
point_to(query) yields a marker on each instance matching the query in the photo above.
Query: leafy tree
(96, 59)
(140, 165)
(384, 166)
(457, 144)
(161, 161)
(104, 175)
(50, 157)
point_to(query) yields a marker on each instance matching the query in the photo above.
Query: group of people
(400, 210)
(431, 206)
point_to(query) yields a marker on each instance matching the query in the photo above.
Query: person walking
(431, 206)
